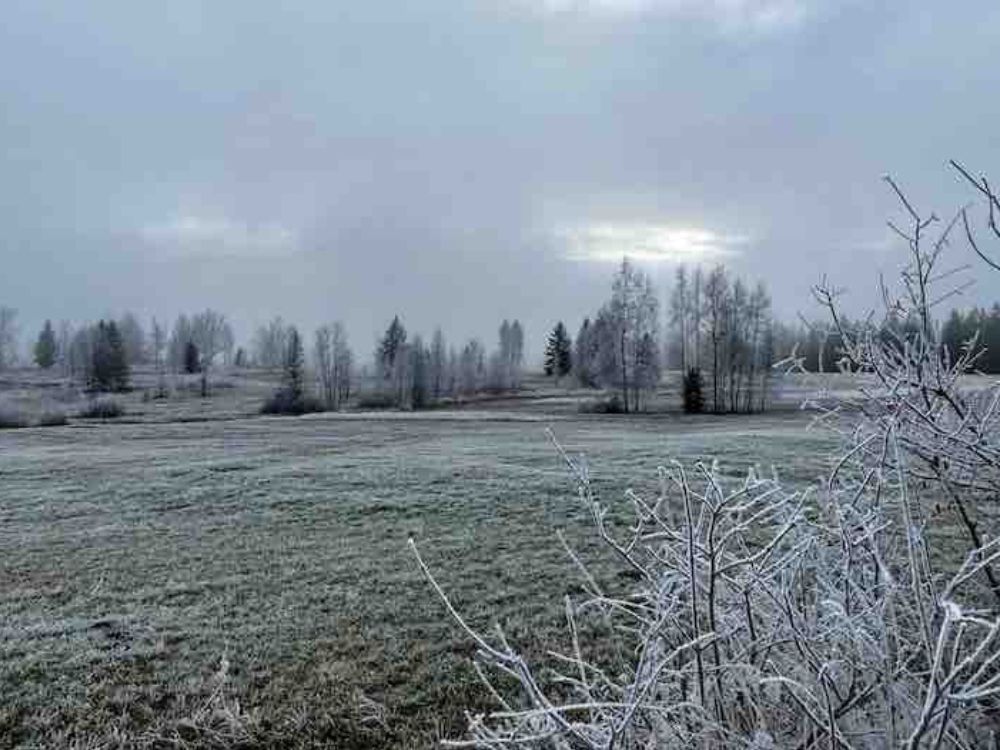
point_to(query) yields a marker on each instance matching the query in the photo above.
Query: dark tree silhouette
(46, 347)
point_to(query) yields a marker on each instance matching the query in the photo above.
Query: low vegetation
(102, 408)
(12, 418)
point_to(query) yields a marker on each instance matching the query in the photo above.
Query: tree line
(406, 372)
(720, 333)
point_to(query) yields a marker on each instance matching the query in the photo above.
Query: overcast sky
(462, 161)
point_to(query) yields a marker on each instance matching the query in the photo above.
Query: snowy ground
(138, 556)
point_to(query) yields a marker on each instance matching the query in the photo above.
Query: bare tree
(158, 347)
(180, 337)
(633, 313)
(507, 360)
(80, 353)
(270, 343)
(992, 200)
(64, 340)
(515, 362)
(8, 337)
(334, 363)
(680, 311)
(133, 338)
(209, 332)
(472, 368)
(323, 356)
(716, 303)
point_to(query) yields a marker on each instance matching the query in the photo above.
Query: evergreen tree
(291, 397)
(98, 373)
(558, 352)
(390, 346)
(108, 370)
(694, 397)
(585, 355)
(438, 365)
(118, 360)
(294, 367)
(46, 347)
(420, 387)
(192, 358)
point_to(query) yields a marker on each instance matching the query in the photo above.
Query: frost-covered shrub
(762, 617)
(766, 617)
(102, 408)
(283, 401)
(610, 405)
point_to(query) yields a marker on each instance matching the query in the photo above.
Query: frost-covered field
(198, 581)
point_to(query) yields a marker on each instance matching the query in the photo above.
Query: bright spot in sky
(648, 243)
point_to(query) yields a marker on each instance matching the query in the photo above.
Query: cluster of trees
(279, 345)
(960, 328)
(194, 345)
(411, 374)
(270, 344)
(97, 354)
(8, 337)
(820, 348)
(620, 348)
(334, 362)
(724, 339)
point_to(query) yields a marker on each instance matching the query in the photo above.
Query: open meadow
(194, 574)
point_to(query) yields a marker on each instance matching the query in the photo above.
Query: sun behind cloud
(650, 243)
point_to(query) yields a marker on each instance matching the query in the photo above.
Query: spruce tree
(558, 353)
(99, 372)
(192, 358)
(294, 367)
(45, 347)
(118, 367)
(390, 346)
(694, 397)
(109, 369)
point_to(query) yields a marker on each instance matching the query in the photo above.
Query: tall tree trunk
(624, 371)
(715, 373)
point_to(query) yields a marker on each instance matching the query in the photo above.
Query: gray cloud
(443, 159)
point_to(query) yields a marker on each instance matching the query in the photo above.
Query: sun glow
(649, 243)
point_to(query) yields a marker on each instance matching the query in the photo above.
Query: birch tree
(334, 363)
(8, 337)
(270, 343)
(209, 332)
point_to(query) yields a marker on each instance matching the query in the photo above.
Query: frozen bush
(102, 408)
(765, 617)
